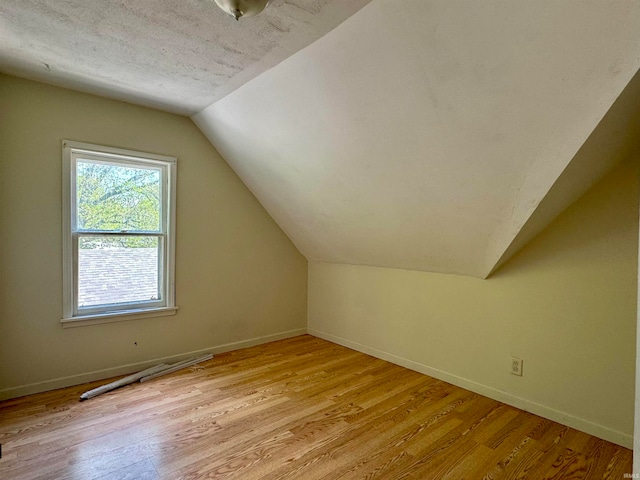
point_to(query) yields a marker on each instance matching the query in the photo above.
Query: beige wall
(566, 304)
(238, 277)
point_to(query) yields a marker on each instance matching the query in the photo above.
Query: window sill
(121, 316)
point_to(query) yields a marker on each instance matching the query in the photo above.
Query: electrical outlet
(516, 366)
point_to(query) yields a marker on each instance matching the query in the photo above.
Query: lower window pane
(117, 270)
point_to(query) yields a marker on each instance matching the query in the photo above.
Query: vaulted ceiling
(429, 135)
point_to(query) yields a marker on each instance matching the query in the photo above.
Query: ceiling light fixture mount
(242, 8)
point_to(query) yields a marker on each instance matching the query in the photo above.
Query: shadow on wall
(589, 225)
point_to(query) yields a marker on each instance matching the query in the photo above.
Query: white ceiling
(179, 56)
(417, 134)
(423, 134)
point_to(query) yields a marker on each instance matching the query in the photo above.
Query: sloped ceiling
(423, 134)
(431, 135)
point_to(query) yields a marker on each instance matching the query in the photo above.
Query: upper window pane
(117, 197)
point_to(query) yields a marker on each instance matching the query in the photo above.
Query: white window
(118, 234)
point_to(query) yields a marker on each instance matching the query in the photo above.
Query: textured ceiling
(430, 135)
(179, 56)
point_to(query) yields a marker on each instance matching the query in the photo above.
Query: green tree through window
(118, 234)
(118, 198)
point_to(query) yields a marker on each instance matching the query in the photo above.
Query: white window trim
(68, 268)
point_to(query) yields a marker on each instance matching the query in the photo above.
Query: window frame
(74, 315)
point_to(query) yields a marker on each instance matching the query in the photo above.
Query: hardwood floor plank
(619, 464)
(142, 470)
(300, 408)
(511, 434)
(516, 463)
(480, 458)
(359, 443)
(569, 465)
(380, 464)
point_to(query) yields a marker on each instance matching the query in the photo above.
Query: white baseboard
(62, 382)
(587, 426)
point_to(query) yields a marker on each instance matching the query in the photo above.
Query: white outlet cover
(516, 366)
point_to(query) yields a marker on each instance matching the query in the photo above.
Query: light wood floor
(301, 408)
